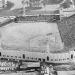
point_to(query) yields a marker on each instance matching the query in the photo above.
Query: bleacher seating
(40, 18)
(67, 30)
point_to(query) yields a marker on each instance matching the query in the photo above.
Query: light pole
(43, 4)
(72, 3)
(24, 10)
(25, 4)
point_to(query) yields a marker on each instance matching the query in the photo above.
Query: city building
(3, 3)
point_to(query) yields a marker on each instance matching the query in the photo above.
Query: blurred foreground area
(21, 73)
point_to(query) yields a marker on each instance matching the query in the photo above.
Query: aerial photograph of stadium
(37, 37)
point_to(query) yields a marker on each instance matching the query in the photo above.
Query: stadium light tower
(25, 4)
(43, 4)
(73, 3)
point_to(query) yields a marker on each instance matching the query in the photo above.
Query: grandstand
(40, 18)
(67, 30)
